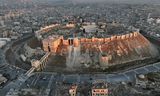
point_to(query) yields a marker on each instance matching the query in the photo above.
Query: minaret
(149, 15)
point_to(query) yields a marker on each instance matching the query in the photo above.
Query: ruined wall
(52, 43)
(47, 29)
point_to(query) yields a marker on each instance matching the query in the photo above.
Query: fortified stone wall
(113, 50)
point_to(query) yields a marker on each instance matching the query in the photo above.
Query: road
(49, 80)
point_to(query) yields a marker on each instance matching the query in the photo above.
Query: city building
(141, 81)
(100, 89)
(28, 92)
(73, 90)
(2, 79)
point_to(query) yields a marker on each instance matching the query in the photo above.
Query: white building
(3, 41)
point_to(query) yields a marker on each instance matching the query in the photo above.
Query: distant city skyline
(118, 1)
(86, 1)
(111, 0)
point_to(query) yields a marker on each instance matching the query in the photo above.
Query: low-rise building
(73, 90)
(28, 92)
(2, 79)
(141, 81)
(100, 89)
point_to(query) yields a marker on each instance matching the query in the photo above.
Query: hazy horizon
(85, 1)
(117, 1)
